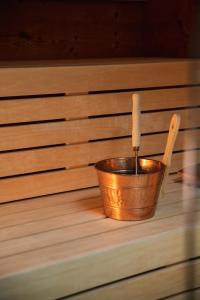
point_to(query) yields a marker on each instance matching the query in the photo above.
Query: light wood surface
(80, 106)
(92, 77)
(86, 153)
(171, 139)
(16, 188)
(153, 285)
(25, 239)
(25, 136)
(193, 294)
(48, 144)
(38, 250)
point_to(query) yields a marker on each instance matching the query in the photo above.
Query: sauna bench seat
(57, 119)
(62, 245)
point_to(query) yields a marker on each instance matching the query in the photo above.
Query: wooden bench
(56, 120)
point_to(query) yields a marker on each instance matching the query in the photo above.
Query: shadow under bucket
(127, 196)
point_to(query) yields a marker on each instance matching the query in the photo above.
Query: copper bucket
(127, 196)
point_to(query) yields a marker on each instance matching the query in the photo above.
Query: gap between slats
(26, 136)
(57, 199)
(42, 184)
(81, 106)
(171, 281)
(46, 219)
(47, 211)
(162, 231)
(79, 231)
(27, 161)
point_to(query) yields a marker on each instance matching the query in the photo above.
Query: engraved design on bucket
(127, 196)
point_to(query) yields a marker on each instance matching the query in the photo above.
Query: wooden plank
(93, 225)
(154, 285)
(61, 198)
(47, 201)
(68, 213)
(71, 107)
(83, 154)
(45, 213)
(192, 294)
(25, 136)
(34, 226)
(40, 270)
(76, 34)
(47, 183)
(91, 76)
(13, 216)
(42, 221)
(60, 181)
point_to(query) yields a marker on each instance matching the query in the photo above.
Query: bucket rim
(99, 168)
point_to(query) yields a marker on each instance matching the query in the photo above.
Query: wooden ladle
(171, 139)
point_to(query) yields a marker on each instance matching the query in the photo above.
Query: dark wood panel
(51, 29)
(69, 29)
(169, 27)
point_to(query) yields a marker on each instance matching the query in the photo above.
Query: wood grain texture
(18, 218)
(62, 198)
(47, 249)
(92, 221)
(48, 219)
(90, 77)
(154, 285)
(34, 185)
(74, 107)
(28, 161)
(25, 136)
(193, 294)
(99, 29)
(47, 183)
(103, 249)
(169, 28)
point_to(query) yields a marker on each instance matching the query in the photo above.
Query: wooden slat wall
(85, 153)
(61, 136)
(70, 107)
(27, 136)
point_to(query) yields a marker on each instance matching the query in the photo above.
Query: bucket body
(127, 196)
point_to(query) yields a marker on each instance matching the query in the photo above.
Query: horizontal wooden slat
(44, 202)
(91, 76)
(74, 107)
(52, 261)
(48, 183)
(153, 285)
(94, 224)
(87, 199)
(60, 181)
(111, 251)
(47, 213)
(192, 294)
(21, 224)
(79, 155)
(47, 201)
(82, 130)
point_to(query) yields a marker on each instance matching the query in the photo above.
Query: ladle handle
(136, 121)
(171, 139)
